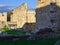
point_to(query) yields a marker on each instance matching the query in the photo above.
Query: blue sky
(15, 3)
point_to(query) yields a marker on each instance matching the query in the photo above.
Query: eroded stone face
(42, 3)
(22, 16)
(47, 16)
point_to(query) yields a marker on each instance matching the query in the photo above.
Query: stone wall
(48, 14)
(3, 19)
(19, 15)
(42, 3)
(25, 18)
(3, 16)
(31, 16)
(31, 20)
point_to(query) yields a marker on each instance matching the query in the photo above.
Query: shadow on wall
(48, 17)
(29, 27)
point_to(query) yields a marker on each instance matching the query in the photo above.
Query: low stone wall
(45, 36)
(30, 37)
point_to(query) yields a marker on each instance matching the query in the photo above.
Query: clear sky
(15, 3)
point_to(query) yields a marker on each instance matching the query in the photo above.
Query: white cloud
(2, 5)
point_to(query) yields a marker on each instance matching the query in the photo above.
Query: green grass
(30, 42)
(6, 29)
(15, 32)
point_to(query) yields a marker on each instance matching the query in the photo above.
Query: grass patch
(6, 29)
(15, 32)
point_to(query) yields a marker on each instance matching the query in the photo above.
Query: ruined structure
(46, 15)
(19, 17)
(3, 19)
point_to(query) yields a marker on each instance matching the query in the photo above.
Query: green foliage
(9, 31)
(6, 29)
